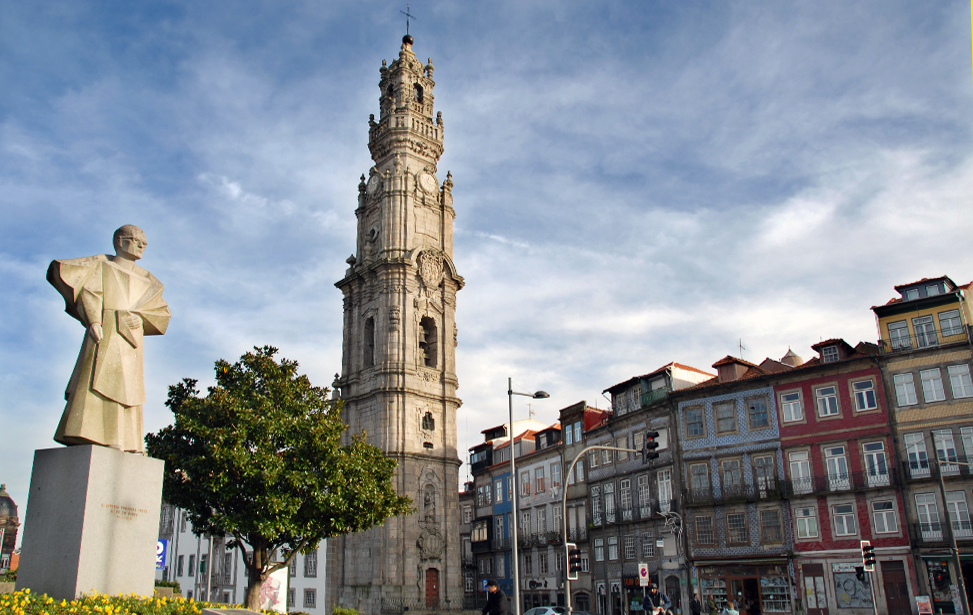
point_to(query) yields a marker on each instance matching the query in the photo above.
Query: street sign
(484, 584)
(160, 553)
(644, 575)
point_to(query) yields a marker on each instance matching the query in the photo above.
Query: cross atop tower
(408, 16)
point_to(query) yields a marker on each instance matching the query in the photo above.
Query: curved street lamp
(513, 473)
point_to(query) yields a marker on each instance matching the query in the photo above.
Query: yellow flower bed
(24, 602)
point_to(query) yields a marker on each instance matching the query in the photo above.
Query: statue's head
(129, 242)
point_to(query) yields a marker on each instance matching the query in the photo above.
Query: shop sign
(925, 605)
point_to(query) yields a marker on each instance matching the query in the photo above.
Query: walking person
(695, 606)
(496, 603)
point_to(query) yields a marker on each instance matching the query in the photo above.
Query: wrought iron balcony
(929, 339)
(577, 534)
(936, 531)
(812, 485)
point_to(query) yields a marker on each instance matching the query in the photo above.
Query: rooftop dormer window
(829, 354)
(932, 290)
(911, 294)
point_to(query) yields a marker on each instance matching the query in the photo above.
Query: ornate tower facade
(399, 362)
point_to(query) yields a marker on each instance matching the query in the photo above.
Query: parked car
(546, 610)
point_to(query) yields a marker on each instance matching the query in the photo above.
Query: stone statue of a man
(118, 303)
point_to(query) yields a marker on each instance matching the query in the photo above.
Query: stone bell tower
(398, 368)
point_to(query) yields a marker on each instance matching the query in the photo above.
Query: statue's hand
(95, 331)
(134, 321)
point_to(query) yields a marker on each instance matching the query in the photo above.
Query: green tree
(260, 458)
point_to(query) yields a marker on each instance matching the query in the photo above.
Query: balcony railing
(935, 531)
(928, 468)
(577, 534)
(929, 339)
(500, 544)
(773, 488)
(637, 512)
(656, 395)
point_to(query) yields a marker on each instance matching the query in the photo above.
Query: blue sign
(160, 553)
(484, 584)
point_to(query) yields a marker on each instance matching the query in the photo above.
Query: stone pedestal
(92, 523)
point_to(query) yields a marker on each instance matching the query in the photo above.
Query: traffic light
(860, 574)
(574, 561)
(648, 449)
(868, 556)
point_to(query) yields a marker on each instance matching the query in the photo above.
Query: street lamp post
(513, 476)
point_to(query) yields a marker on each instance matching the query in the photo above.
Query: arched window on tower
(427, 341)
(390, 92)
(418, 93)
(369, 342)
(428, 423)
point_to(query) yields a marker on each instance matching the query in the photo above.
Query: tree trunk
(254, 582)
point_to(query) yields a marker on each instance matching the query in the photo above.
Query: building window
(932, 290)
(525, 483)
(959, 514)
(732, 475)
(876, 464)
(959, 381)
(596, 505)
(541, 520)
(539, 480)
(837, 464)
(800, 466)
(827, 401)
(790, 404)
(638, 439)
(568, 436)
(905, 390)
(864, 395)
(759, 418)
(369, 344)
(946, 451)
(695, 427)
(498, 527)
(928, 513)
(609, 492)
(427, 341)
(593, 459)
(292, 571)
(664, 479)
(770, 528)
(629, 546)
(290, 597)
(950, 324)
(726, 418)
(899, 335)
(915, 446)
(501, 566)
(542, 563)
(524, 522)
(480, 531)
(807, 521)
(704, 531)
(645, 505)
(485, 565)
(829, 354)
(528, 563)
(925, 330)
(192, 566)
(428, 423)
(613, 548)
(622, 443)
(844, 520)
(648, 545)
(883, 517)
(311, 564)
(469, 586)
(625, 498)
(699, 478)
(736, 528)
(912, 294)
(966, 433)
(179, 566)
(310, 598)
(579, 470)
(577, 432)
(556, 516)
(584, 562)
(932, 385)
(467, 513)
(510, 490)
(606, 456)
(599, 549)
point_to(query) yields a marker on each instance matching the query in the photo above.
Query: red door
(432, 588)
(896, 588)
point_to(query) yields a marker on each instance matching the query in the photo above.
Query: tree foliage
(260, 458)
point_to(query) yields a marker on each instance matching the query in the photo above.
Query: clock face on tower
(427, 181)
(373, 183)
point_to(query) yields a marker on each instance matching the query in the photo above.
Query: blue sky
(635, 182)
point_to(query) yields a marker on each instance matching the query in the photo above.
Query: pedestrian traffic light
(860, 573)
(648, 449)
(868, 556)
(574, 561)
